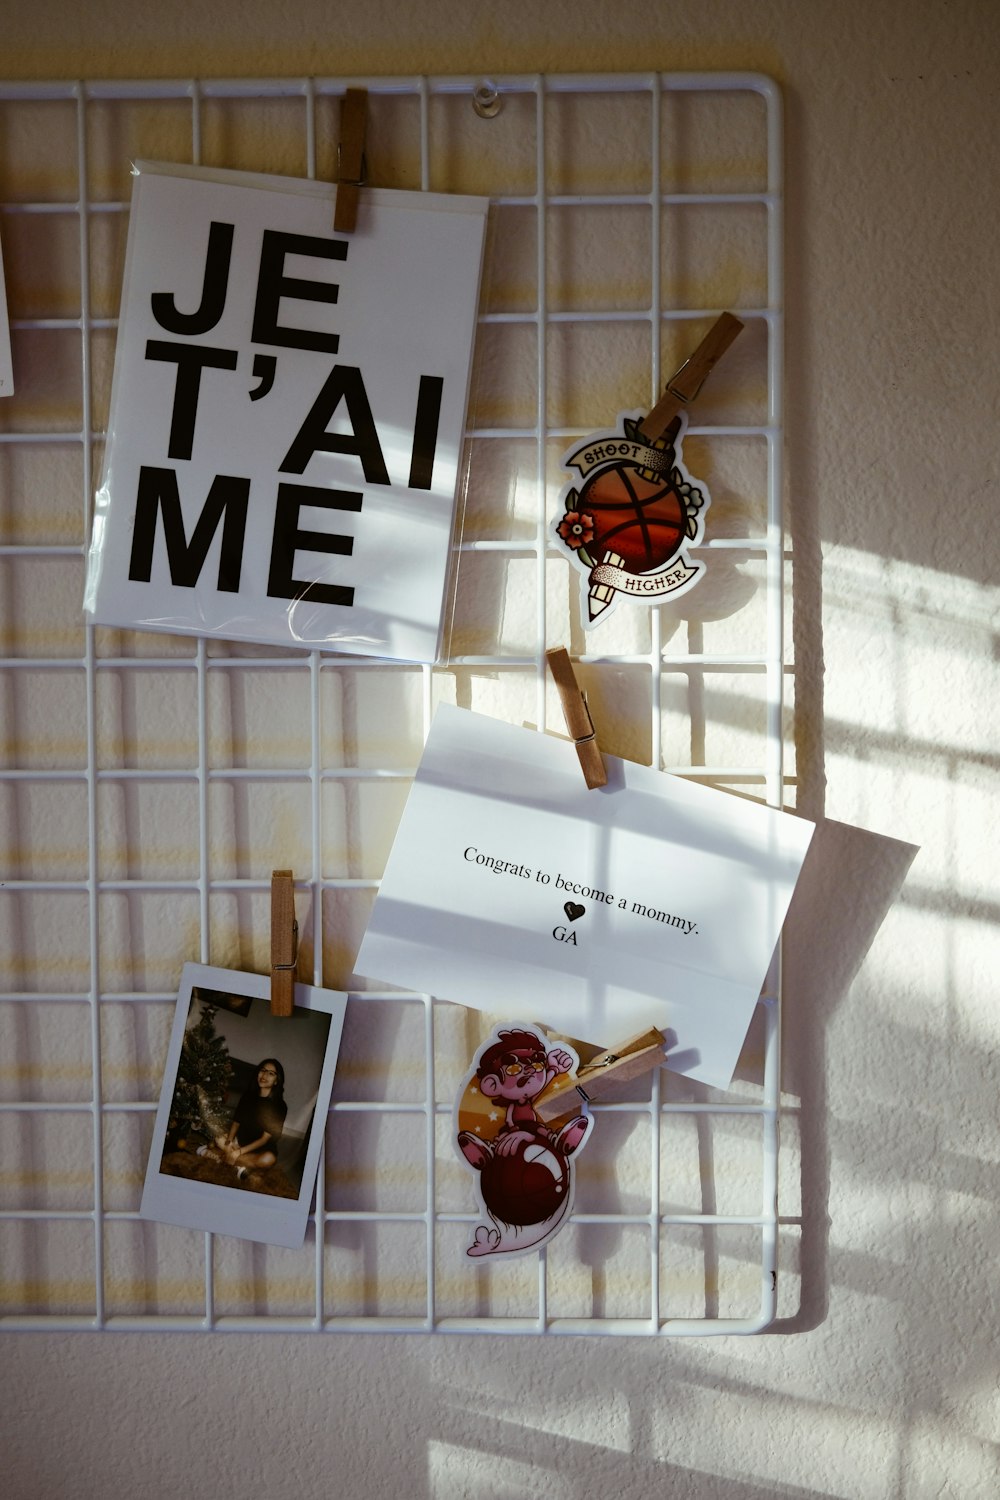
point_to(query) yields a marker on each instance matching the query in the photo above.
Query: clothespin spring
(675, 388)
(601, 1062)
(585, 739)
(295, 951)
(358, 182)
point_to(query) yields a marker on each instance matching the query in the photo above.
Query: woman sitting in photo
(257, 1123)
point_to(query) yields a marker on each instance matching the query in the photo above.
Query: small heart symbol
(573, 910)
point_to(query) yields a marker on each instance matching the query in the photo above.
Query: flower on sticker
(689, 493)
(576, 528)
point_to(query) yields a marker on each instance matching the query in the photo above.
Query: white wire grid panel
(149, 783)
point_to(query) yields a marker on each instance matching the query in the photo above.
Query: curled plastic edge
(459, 550)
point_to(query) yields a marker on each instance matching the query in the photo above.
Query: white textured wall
(882, 1380)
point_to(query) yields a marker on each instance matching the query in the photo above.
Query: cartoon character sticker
(637, 510)
(524, 1167)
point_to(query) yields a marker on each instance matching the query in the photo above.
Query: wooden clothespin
(629, 1060)
(684, 385)
(352, 169)
(284, 943)
(577, 714)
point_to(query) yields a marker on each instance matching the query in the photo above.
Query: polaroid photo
(243, 1107)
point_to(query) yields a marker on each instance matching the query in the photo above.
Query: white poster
(287, 413)
(242, 1113)
(653, 901)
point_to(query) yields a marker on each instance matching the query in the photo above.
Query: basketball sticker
(631, 515)
(524, 1166)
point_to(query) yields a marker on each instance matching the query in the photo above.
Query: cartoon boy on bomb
(524, 1172)
(516, 1069)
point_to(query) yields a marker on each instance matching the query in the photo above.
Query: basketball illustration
(644, 521)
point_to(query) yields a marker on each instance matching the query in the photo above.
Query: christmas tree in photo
(199, 1104)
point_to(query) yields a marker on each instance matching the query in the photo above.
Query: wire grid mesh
(150, 783)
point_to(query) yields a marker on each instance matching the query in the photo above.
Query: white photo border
(221, 1210)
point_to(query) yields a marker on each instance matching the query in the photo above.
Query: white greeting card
(287, 413)
(653, 901)
(243, 1110)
